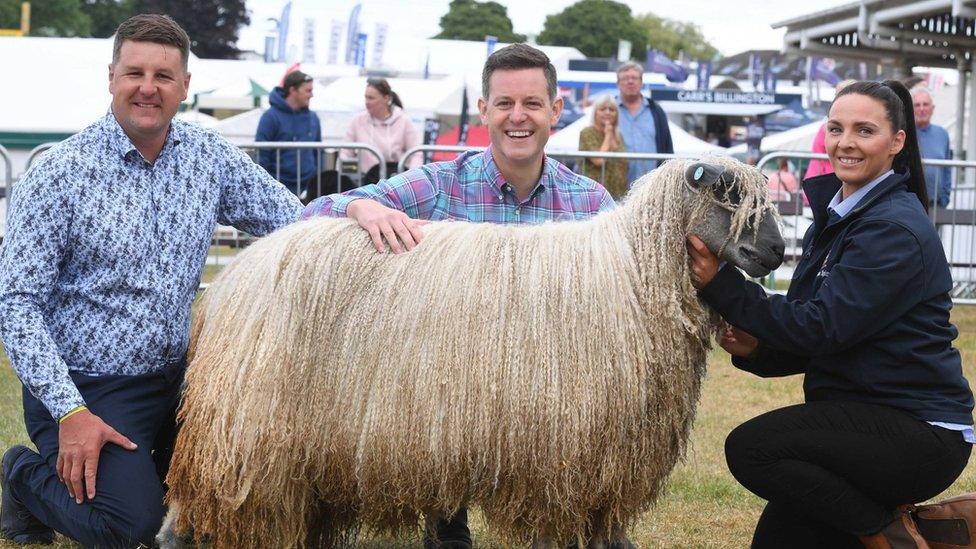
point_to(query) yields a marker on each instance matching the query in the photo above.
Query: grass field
(703, 505)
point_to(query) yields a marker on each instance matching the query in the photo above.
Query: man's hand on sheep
(704, 264)
(80, 441)
(387, 224)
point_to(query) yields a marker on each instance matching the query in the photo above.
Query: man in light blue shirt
(933, 143)
(643, 124)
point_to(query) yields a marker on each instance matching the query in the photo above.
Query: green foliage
(106, 15)
(594, 28)
(213, 25)
(672, 37)
(48, 17)
(471, 20)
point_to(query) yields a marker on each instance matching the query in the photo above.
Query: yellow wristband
(72, 412)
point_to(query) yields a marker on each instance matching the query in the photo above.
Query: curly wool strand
(548, 374)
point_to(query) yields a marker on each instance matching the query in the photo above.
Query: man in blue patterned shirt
(106, 241)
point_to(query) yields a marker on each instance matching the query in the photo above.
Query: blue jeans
(128, 505)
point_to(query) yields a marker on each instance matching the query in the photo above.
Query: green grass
(703, 505)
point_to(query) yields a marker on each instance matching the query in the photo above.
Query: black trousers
(128, 506)
(832, 471)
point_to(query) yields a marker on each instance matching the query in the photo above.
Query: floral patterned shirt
(104, 251)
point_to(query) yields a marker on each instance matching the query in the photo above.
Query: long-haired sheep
(548, 374)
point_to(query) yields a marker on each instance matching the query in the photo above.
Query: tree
(671, 37)
(594, 27)
(48, 18)
(106, 15)
(213, 25)
(471, 20)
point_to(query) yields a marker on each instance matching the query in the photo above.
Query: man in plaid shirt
(511, 182)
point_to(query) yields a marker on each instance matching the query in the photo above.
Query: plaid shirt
(470, 188)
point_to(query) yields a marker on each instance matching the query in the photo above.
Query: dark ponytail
(381, 85)
(898, 105)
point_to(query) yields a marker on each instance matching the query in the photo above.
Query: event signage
(725, 96)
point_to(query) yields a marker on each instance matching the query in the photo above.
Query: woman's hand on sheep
(80, 441)
(738, 342)
(704, 264)
(386, 224)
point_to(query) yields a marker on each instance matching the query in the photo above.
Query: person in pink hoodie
(385, 126)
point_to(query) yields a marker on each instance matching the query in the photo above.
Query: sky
(730, 26)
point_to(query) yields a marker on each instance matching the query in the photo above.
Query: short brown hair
(294, 79)
(155, 28)
(519, 56)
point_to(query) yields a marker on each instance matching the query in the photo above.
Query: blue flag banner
(283, 32)
(823, 69)
(463, 126)
(660, 63)
(703, 75)
(352, 34)
(361, 49)
(490, 42)
(755, 70)
(427, 67)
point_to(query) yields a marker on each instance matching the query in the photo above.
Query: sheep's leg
(167, 537)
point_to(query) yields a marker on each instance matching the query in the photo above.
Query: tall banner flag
(463, 125)
(432, 128)
(490, 42)
(283, 32)
(755, 70)
(308, 41)
(361, 50)
(427, 67)
(379, 44)
(335, 35)
(660, 63)
(703, 74)
(352, 34)
(823, 69)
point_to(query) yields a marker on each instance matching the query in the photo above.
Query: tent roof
(904, 33)
(567, 139)
(420, 97)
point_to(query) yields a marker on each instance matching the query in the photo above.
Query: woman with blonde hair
(604, 135)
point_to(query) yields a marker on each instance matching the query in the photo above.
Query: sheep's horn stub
(701, 174)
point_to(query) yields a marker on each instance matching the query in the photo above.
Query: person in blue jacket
(888, 414)
(289, 119)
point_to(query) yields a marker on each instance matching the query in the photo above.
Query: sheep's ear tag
(701, 174)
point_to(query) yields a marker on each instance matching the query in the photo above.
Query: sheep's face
(759, 247)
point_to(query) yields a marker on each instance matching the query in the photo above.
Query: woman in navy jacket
(888, 414)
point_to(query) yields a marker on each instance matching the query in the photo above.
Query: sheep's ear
(703, 175)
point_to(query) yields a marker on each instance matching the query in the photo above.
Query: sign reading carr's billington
(725, 96)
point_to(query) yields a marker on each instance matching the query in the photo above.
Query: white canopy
(567, 139)
(421, 98)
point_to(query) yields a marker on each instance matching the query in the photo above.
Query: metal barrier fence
(956, 223)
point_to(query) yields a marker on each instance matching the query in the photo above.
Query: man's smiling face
(147, 83)
(519, 114)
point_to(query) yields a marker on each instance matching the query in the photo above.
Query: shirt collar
(842, 206)
(493, 176)
(123, 146)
